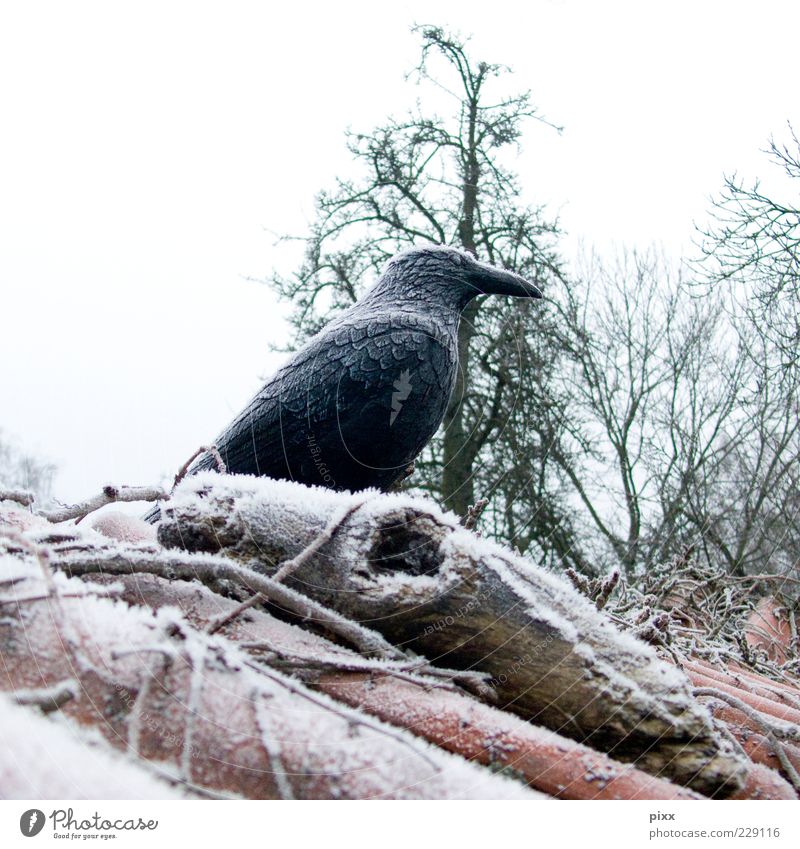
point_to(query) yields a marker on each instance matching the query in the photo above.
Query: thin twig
(348, 714)
(223, 620)
(32, 598)
(420, 673)
(474, 512)
(214, 571)
(42, 555)
(606, 587)
(203, 449)
(310, 550)
(289, 566)
(109, 495)
(756, 578)
(271, 745)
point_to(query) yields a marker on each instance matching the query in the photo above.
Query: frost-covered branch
(172, 688)
(109, 495)
(19, 496)
(767, 729)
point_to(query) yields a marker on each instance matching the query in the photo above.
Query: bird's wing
(366, 395)
(391, 396)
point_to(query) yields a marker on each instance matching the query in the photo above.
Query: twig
(223, 620)
(288, 567)
(597, 590)
(20, 496)
(420, 673)
(29, 599)
(474, 512)
(354, 718)
(42, 556)
(197, 652)
(71, 645)
(793, 642)
(755, 578)
(215, 571)
(271, 745)
(578, 581)
(203, 449)
(606, 588)
(109, 495)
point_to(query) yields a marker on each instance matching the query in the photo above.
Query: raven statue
(355, 405)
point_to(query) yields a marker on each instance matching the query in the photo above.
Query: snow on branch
(109, 495)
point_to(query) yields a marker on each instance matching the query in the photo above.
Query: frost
(43, 759)
(308, 737)
(282, 510)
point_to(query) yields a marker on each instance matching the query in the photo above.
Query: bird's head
(452, 275)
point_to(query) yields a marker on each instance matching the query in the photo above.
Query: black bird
(355, 405)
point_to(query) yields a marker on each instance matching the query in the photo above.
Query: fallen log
(412, 573)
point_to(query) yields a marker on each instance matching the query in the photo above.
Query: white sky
(148, 149)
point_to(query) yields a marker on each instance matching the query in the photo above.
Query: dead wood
(425, 583)
(110, 495)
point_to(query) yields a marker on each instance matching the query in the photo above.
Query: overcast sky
(149, 150)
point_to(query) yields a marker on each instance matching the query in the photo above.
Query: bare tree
(670, 429)
(647, 388)
(428, 178)
(752, 518)
(753, 242)
(751, 253)
(24, 471)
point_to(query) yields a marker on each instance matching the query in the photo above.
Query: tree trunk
(457, 487)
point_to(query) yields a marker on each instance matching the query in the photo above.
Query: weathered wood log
(414, 574)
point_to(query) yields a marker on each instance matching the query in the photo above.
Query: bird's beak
(495, 281)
